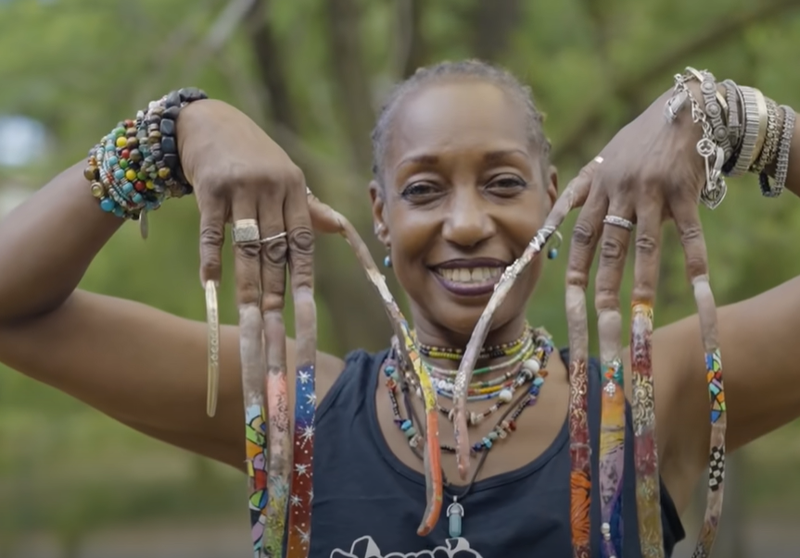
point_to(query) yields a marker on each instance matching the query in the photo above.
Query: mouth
(469, 278)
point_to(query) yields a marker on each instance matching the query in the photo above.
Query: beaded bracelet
(135, 167)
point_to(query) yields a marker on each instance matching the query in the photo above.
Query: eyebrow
(489, 157)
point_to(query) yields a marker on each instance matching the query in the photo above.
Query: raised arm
(143, 367)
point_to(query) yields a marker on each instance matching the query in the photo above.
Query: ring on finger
(245, 231)
(618, 222)
(598, 159)
(273, 237)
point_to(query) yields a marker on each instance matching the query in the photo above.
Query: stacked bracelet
(136, 167)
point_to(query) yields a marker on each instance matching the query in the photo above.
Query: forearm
(47, 243)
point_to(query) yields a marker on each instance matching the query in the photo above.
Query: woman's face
(463, 195)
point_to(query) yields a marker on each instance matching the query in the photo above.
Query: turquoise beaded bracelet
(136, 167)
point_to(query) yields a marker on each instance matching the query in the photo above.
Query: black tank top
(368, 504)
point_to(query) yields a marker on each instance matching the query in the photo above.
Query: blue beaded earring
(387, 261)
(552, 253)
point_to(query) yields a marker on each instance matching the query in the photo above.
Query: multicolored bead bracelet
(135, 167)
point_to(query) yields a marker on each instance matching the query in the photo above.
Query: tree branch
(270, 65)
(491, 25)
(632, 87)
(349, 77)
(416, 49)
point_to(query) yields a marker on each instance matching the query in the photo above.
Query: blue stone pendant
(455, 512)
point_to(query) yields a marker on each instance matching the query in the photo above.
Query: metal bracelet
(734, 126)
(755, 126)
(715, 188)
(713, 108)
(782, 165)
(773, 136)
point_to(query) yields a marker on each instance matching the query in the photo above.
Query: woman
(462, 183)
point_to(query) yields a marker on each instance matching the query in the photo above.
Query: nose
(467, 223)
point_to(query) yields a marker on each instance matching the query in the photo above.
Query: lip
(471, 290)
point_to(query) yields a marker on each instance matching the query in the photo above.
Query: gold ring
(245, 231)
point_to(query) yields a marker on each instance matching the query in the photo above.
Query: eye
(419, 190)
(507, 183)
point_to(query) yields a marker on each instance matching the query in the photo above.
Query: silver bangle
(773, 137)
(782, 166)
(708, 87)
(755, 124)
(734, 127)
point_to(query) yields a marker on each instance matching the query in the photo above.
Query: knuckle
(274, 252)
(643, 293)
(691, 234)
(295, 175)
(301, 240)
(606, 298)
(584, 235)
(272, 300)
(696, 265)
(646, 245)
(248, 251)
(612, 250)
(211, 236)
(577, 278)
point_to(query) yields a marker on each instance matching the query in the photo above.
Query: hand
(650, 171)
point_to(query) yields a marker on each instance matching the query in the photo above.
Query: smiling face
(464, 191)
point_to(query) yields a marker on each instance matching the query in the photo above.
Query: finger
(574, 195)
(247, 266)
(613, 251)
(300, 236)
(583, 244)
(648, 234)
(687, 221)
(433, 471)
(301, 270)
(212, 237)
(323, 217)
(273, 285)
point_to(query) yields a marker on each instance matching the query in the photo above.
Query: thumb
(323, 218)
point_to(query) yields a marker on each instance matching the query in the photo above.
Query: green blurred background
(73, 483)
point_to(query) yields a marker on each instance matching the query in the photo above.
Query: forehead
(458, 116)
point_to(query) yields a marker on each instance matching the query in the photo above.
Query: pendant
(455, 512)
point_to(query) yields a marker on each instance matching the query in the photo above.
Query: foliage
(313, 72)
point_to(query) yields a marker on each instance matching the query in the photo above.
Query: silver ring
(245, 231)
(273, 237)
(618, 222)
(598, 159)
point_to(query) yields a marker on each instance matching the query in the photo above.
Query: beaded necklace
(524, 353)
(504, 426)
(492, 351)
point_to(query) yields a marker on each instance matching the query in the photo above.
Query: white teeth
(470, 275)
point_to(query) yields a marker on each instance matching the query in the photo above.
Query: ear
(552, 185)
(379, 212)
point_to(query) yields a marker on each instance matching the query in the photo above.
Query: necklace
(492, 351)
(523, 354)
(504, 426)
